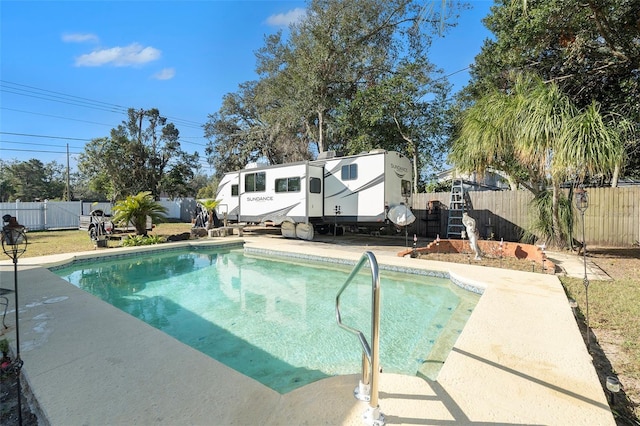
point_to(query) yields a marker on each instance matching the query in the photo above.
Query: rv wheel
(322, 229)
(288, 229)
(304, 231)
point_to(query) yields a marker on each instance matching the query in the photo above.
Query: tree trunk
(321, 147)
(415, 172)
(615, 177)
(559, 239)
(414, 151)
(141, 228)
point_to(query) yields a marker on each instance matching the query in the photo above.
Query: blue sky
(69, 68)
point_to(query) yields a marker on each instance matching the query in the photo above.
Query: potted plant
(4, 348)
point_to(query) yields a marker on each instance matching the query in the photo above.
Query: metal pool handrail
(368, 388)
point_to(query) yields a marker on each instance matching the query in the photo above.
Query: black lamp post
(14, 243)
(582, 203)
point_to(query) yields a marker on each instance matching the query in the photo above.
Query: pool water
(274, 320)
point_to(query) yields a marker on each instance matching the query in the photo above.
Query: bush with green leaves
(135, 209)
(142, 240)
(4, 346)
(540, 228)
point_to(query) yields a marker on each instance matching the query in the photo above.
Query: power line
(38, 150)
(457, 72)
(53, 96)
(44, 136)
(68, 102)
(35, 144)
(74, 139)
(57, 116)
(64, 94)
(201, 161)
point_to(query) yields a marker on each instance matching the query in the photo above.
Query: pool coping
(519, 360)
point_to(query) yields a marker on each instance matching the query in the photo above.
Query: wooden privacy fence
(612, 218)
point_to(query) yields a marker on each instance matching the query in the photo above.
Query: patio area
(519, 360)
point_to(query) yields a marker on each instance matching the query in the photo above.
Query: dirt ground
(9, 402)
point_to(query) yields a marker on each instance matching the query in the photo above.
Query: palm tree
(538, 137)
(136, 208)
(210, 205)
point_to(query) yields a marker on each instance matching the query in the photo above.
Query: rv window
(406, 188)
(291, 184)
(234, 190)
(315, 185)
(281, 185)
(255, 182)
(261, 181)
(350, 172)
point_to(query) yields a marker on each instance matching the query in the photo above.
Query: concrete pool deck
(519, 360)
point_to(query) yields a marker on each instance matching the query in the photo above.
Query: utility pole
(68, 188)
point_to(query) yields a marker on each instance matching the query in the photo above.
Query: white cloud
(285, 19)
(164, 74)
(79, 38)
(132, 55)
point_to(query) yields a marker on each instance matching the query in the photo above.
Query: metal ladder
(367, 389)
(456, 208)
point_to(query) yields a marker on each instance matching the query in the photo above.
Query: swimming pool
(273, 320)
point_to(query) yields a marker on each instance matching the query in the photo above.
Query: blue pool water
(273, 320)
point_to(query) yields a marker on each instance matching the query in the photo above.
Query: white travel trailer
(227, 193)
(300, 197)
(360, 189)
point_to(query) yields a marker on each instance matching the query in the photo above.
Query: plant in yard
(535, 135)
(210, 204)
(136, 208)
(141, 240)
(540, 216)
(4, 347)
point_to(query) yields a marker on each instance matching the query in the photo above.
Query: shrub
(141, 240)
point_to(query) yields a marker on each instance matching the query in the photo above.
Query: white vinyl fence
(46, 215)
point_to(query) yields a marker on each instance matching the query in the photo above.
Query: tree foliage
(540, 138)
(136, 208)
(590, 50)
(31, 180)
(210, 206)
(314, 80)
(135, 158)
(243, 134)
(405, 112)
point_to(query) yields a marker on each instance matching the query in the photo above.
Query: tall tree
(536, 135)
(405, 111)
(340, 48)
(243, 133)
(590, 50)
(32, 180)
(136, 158)
(7, 190)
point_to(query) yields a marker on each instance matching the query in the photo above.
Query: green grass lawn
(42, 243)
(614, 317)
